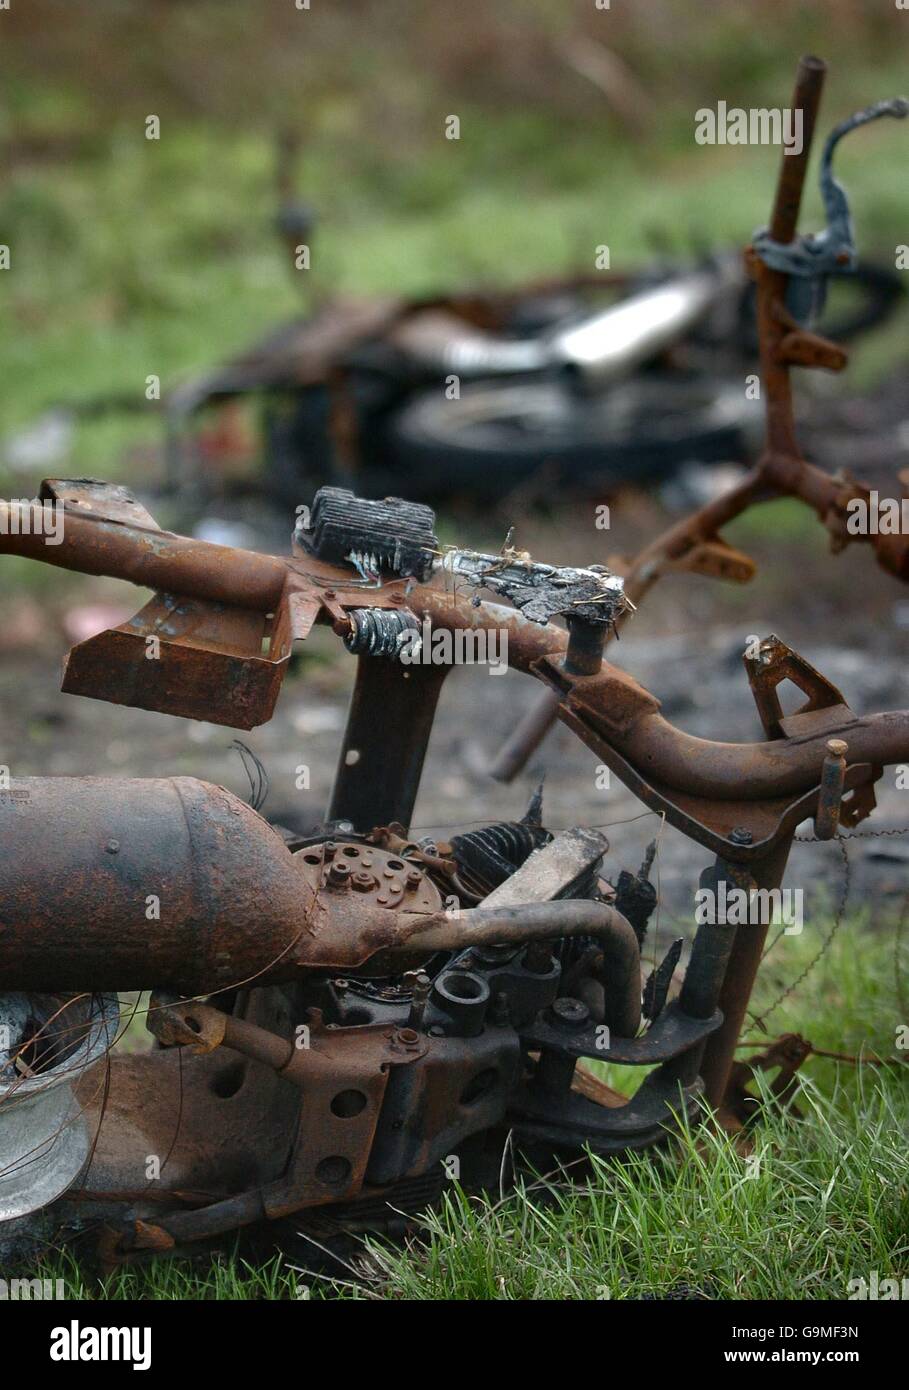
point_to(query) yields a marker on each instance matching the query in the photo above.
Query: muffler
(134, 883)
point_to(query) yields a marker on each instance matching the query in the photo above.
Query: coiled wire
(379, 631)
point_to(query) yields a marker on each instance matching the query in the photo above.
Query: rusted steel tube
(619, 974)
(676, 760)
(711, 948)
(258, 1043)
(526, 737)
(756, 771)
(157, 560)
(204, 1223)
(738, 982)
(527, 641)
(809, 84)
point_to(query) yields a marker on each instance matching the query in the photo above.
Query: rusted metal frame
(343, 1075)
(220, 1118)
(426, 1115)
(624, 717)
(782, 470)
(567, 1118)
(785, 1055)
(356, 1123)
(381, 759)
(741, 972)
(614, 706)
(673, 1034)
(628, 717)
(710, 822)
(159, 560)
(678, 1041)
(620, 720)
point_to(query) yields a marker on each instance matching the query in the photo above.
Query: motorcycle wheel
(498, 433)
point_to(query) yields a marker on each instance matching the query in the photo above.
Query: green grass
(827, 1202)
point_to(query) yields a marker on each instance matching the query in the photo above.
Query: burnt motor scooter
(343, 1018)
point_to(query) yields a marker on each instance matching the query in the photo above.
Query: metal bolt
(740, 835)
(339, 874)
(570, 1013)
(833, 783)
(421, 987)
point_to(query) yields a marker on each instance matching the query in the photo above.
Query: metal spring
(379, 631)
(486, 857)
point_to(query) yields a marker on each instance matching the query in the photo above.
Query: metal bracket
(775, 663)
(810, 260)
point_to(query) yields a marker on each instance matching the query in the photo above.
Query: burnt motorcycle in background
(581, 383)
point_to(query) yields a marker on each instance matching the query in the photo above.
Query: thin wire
(759, 1019)
(258, 784)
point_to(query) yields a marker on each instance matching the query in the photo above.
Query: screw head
(570, 1013)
